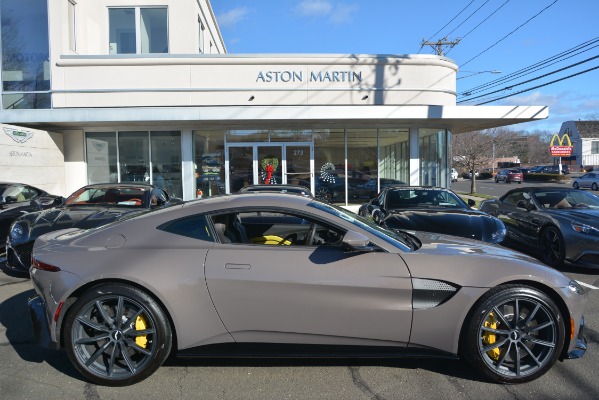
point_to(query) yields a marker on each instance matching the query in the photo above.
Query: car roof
(120, 185)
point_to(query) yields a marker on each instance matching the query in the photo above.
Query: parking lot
(28, 372)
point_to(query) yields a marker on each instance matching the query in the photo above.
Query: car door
(310, 294)
(522, 224)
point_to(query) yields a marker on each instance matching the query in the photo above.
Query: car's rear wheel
(552, 246)
(116, 335)
(594, 186)
(514, 334)
(575, 185)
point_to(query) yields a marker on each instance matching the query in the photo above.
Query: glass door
(269, 164)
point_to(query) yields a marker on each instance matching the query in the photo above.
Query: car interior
(273, 228)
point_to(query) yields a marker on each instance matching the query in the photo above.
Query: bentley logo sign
(18, 136)
(564, 147)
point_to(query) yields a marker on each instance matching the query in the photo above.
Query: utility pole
(438, 45)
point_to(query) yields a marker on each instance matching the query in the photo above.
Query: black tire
(552, 246)
(513, 350)
(575, 185)
(594, 186)
(116, 357)
(496, 180)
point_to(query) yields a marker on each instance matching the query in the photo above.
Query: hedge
(545, 177)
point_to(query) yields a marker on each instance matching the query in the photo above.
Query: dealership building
(144, 91)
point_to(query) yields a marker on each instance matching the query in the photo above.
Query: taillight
(37, 264)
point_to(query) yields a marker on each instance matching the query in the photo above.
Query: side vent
(428, 293)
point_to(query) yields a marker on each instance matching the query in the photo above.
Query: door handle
(237, 266)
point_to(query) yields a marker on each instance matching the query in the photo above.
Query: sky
(506, 36)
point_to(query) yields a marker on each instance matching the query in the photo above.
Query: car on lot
(120, 299)
(432, 209)
(553, 169)
(469, 174)
(589, 180)
(558, 224)
(509, 176)
(17, 199)
(454, 175)
(88, 207)
(290, 189)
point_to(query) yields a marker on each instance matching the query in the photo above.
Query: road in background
(490, 188)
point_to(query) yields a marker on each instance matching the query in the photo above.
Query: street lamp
(479, 72)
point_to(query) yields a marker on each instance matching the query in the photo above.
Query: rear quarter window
(195, 227)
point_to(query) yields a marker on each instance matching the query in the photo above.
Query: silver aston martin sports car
(263, 274)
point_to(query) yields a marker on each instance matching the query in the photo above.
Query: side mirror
(37, 204)
(471, 203)
(10, 199)
(356, 242)
(525, 204)
(375, 202)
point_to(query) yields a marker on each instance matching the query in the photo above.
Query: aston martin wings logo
(17, 135)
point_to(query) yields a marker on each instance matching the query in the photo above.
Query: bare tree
(471, 150)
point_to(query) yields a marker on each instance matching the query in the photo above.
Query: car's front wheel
(514, 334)
(575, 185)
(552, 246)
(116, 335)
(594, 186)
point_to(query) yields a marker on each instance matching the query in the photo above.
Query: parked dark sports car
(432, 210)
(17, 199)
(88, 207)
(287, 275)
(556, 223)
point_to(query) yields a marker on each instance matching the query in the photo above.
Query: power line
(444, 26)
(533, 79)
(467, 18)
(482, 22)
(537, 66)
(540, 86)
(503, 38)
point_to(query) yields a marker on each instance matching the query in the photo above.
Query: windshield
(422, 198)
(380, 232)
(560, 199)
(110, 196)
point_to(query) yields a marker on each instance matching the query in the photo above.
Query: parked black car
(555, 223)
(17, 199)
(89, 207)
(432, 209)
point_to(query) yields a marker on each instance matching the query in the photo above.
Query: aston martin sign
(18, 136)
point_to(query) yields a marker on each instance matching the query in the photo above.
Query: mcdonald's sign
(564, 145)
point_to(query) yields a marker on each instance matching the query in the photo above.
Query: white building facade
(144, 91)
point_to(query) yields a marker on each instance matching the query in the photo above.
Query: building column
(188, 169)
(414, 157)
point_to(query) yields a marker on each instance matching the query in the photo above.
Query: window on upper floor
(138, 30)
(595, 147)
(201, 29)
(71, 15)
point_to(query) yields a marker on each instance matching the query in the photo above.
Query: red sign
(561, 151)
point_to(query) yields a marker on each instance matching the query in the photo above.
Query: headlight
(17, 232)
(575, 287)
(499, 235)
(582, 228)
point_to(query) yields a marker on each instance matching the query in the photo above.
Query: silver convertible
(282, 275)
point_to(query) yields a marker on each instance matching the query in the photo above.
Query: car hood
(469, 222)
(476, 264)
(81, 217)
(588, 215)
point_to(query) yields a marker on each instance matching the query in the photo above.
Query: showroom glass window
(329, 164)
(362, 168)
(101, 156)
(138, 30)
(433, 165)
(166, 161)
(25, 54)
(209, 163)
(394, 156)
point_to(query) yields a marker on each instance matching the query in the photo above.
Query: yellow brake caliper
(490, 338)
(140, 325)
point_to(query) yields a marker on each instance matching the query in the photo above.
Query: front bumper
(39, 320)
(581, 343)
(18, 258)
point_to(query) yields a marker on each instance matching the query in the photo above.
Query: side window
(16, 191)
(514, 198)
(195, 227)
(274, 228)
